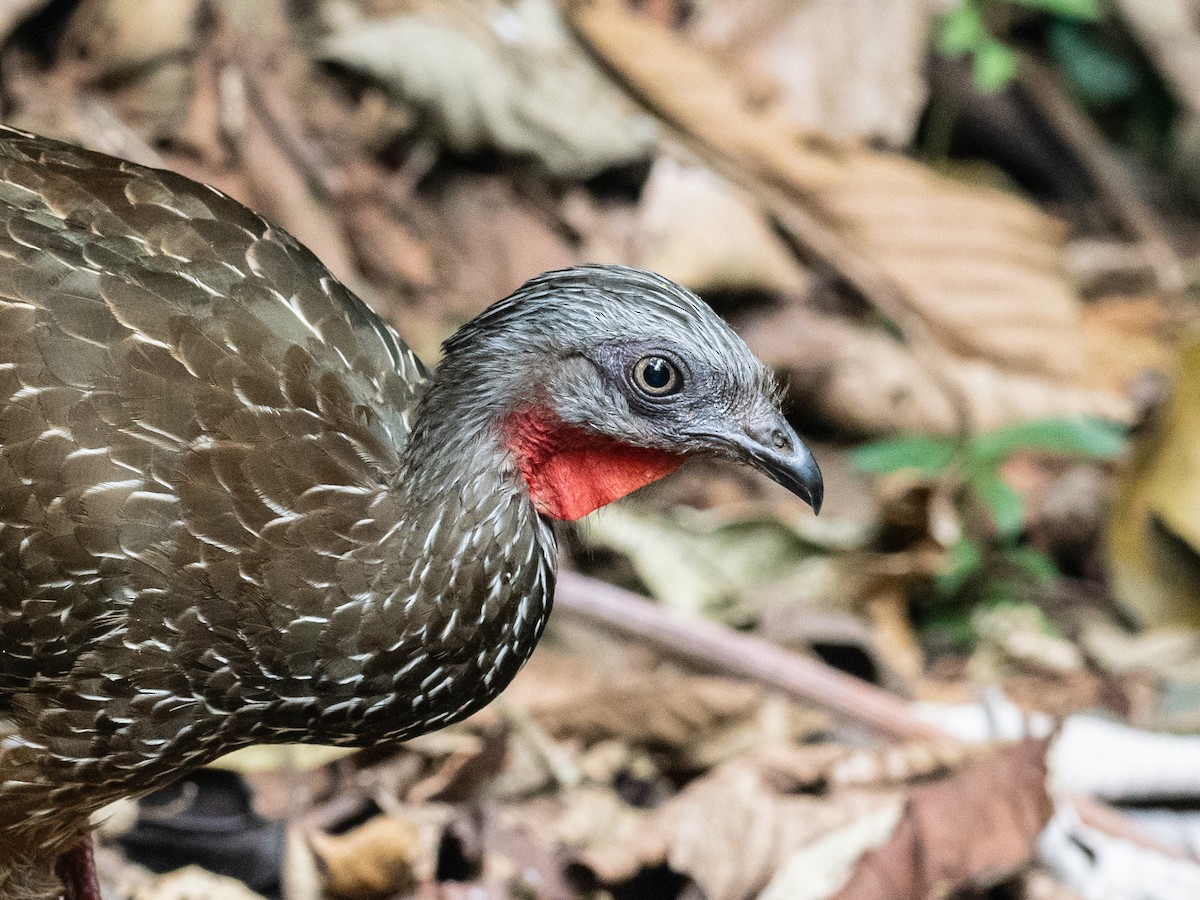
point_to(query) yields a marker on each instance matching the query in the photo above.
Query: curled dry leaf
(729, 832)
(971, 276)
(503, 76)
(377, 859)
(981, 823)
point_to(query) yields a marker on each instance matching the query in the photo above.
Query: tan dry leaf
(704, 232)
(730, 833)
(1125, 336)
(816, 871)
(116, 37)
(792, 767)
(662, 710)
(965, 272)
(379, 858)
(979, 824)
(848, 68)
(193, 883)
(600, 830)
(869, 382)
(504, 76)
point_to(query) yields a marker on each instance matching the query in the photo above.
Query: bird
(236, 508)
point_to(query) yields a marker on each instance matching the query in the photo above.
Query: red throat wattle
(571, 472)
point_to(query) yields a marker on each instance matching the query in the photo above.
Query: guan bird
(235, 508)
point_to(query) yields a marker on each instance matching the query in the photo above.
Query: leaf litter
(435, 155)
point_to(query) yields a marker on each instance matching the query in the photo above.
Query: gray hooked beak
(777, 451)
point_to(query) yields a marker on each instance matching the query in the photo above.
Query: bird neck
(461, 587)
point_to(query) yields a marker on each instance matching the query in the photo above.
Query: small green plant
(986, 562)
(966, 29)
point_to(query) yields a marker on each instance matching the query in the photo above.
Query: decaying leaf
(730, 832)
(971, 828)
(1154, 535)
(701, 563)
(502, 76)
(971, 276)
(818, 870)
(385, 856)
(797, 767)
(661, 710)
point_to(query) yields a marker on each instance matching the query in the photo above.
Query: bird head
(602, 379)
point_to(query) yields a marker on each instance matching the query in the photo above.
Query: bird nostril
(780, 440)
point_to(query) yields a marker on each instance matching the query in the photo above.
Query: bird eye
(657, 376)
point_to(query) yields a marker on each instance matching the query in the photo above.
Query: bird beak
(777, 451)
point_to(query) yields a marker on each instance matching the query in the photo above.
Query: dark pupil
(657, 374)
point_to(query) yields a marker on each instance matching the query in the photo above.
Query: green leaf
(1034, 563)
(1087, 10)
(928, 455)
(1006, 505)
(1100, 76)
(995, 65)
(962, 561)
(1093, 438)
(962, 30)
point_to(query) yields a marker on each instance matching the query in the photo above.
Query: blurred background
(967, 237)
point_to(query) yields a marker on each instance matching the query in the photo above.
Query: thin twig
(708, 645)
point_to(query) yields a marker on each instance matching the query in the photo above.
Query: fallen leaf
(110, 38)
(971, 276)
(869, 382)
(704, 232)
(824, 866)
(379, 858)
(969, 829)
(729, 832)
(850, 68)
(502, 76)
(193, 883)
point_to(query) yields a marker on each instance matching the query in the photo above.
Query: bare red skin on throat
(571, 472)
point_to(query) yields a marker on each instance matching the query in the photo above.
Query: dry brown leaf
(972, 276)
(729, 832)
(850, 68)
(461, 774)
(377, 859)
(797, 767)
(1127, 335)
(702, 231)
(868, 381)
(979, 824)
(663, 710)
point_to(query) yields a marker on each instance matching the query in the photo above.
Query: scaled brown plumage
(235, 509)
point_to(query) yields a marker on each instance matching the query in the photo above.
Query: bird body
(235, 508)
